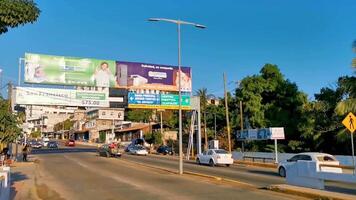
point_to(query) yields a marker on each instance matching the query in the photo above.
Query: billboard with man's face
(60, 70)
(133, 75)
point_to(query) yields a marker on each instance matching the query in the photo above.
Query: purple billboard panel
(134, 75)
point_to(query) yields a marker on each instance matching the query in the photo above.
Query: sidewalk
(23, 181)
(310, 193)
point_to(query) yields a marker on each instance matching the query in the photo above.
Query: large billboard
(63, 97)
(158, 101)
(133, 75)
(60, 70)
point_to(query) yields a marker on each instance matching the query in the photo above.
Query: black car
(52, 145)
(165, 150)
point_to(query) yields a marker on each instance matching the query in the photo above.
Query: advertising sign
(135, 75)
(158, 101)
(261, 134)
(60, 70)
(64, 97)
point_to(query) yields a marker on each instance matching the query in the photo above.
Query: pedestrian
(24, 153)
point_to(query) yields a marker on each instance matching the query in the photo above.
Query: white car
(319, 158)
(138, 150)
(45, 141)
(215, 157)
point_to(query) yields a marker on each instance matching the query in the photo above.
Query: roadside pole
(276, 150)
(242, 128)
(227, 115)
(350, 122)
(353, 153)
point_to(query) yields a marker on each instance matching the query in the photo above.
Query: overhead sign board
(158, 101)
(151, 99)
(133, 75)
(273, 133)
(60, 70)
(64, 97)
(350, 122)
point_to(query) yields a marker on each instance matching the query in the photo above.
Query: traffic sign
(350, 122)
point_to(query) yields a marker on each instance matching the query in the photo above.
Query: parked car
(70, 143)
(52, 145)
(109, 150)
(214, 157)
(165, 150)
(138, 150)
(45, 141)
(319, 158)
(35, 144)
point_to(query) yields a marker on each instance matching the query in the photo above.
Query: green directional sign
(173, 100)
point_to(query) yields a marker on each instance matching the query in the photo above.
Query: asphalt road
(84, 175)
(261, 177)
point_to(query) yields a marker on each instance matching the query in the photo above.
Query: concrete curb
(310, 193)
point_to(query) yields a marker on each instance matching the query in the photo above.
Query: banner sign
(261, 134)
(133, 75)
(64, 97)
(158, 101)
(60, 70)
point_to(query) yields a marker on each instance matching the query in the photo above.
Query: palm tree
(203, 94)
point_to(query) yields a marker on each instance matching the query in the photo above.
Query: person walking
(24, 153)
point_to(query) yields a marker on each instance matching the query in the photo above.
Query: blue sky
(310, 41)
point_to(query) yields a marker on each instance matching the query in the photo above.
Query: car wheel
(227, 165)
(211, 163)
(282, 172)
(198, 161)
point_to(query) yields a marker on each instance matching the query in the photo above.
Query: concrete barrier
(237, 155)
(307, 174)
(5, 183)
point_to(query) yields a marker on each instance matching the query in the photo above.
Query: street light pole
(178, 23)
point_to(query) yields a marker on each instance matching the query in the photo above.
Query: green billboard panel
(60, 70)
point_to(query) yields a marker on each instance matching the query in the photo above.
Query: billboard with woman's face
(133, 75)
(60, 70)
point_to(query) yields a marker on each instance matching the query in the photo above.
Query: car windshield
(220, 151)
(326, 158)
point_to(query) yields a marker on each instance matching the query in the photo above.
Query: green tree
(36, 134)
(9, 123)
(65, 125)
(203, 95)
(270, 100)
(139, 115)
(17, 12)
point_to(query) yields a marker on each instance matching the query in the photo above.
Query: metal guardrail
(257, 158)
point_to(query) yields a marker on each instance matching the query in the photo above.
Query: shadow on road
(268, 173)
(15, 178)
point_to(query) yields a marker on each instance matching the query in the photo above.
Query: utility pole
(242, 126)
(205, 133)
(227, 115)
